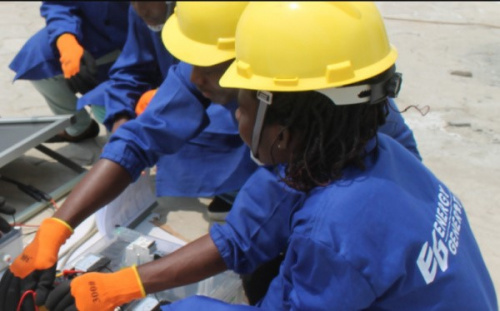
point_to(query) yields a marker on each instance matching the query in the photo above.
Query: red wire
(33, 293)
(54, 204)
(68, 272)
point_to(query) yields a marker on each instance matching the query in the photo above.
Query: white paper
(127, 207)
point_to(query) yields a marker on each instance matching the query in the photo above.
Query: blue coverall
(101, 29)
(195, 143)
(391, 237)
(142, 65)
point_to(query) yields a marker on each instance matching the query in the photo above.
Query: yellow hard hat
(202, 33)
(299, 46)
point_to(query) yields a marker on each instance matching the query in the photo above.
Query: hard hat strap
(265, 99)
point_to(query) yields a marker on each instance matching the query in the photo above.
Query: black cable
(33, 192)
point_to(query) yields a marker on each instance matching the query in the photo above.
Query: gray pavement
(449, 54)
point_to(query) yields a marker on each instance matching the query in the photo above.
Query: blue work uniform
(100, 27)
(142, 65)
(194, 143)
(391, 237)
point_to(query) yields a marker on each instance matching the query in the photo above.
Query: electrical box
(129, 247)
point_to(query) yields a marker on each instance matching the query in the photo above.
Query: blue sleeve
(251, 235)
(61, 17)
(316, 276)
(396, 128)
(205, 303)
(174, 116)
(134, 72)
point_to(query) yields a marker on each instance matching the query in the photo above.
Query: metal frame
(55, 124)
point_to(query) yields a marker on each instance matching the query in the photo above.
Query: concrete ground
(449, 57)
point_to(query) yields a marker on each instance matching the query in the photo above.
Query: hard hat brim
(233, 78)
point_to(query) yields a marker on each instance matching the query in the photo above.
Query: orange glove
(97, 291)
(35, 267)
(144, 101)
(71, 53)
(42, 252)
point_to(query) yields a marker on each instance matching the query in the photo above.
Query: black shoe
(218, 209)
(91, 132)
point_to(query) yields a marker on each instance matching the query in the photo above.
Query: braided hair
(330, 137)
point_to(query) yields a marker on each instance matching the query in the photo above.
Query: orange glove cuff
(71, 53)
(42, 252)
(144, 101)
(105, 291)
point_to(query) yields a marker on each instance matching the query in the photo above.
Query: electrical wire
(68, 272)
(92, 230)
(54, 204)
(30, 190)
(25, 294)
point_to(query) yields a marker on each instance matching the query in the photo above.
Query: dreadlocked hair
(330, 137)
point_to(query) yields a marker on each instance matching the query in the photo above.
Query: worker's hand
(86, 79)
(34, 268)
(144, 101)
(97, 291)
(71, 53)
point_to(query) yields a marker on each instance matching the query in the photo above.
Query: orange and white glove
(34, 268)
(97, 291)
(71, 53)
(144, 101)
